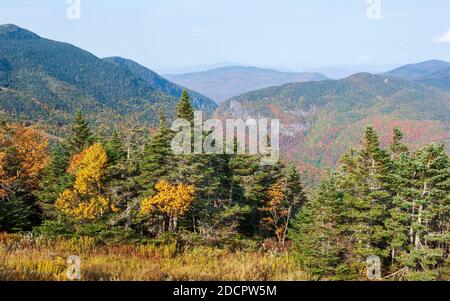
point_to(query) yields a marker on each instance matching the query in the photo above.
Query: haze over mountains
(45, 80)
(223, 83)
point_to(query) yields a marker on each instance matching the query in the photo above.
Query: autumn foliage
(171, 200)
(23, 156)
(85, 200)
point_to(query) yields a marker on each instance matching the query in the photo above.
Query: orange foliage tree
(85, 200)
(23, 157)
(285, 198)
(173, 201)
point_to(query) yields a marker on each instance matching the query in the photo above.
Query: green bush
(52, 228)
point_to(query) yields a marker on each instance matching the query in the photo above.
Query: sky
(284, 34)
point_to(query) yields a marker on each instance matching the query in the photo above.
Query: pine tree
(250, 183)
(398, 223)
(15, 215)
(200, 170)
(430, 212)
(318, 234)
(184, 108)
(158, 159)
(81, 135)
(115, 149)
(294, 186)
(54, 181)
(397, 147)
(366, 179)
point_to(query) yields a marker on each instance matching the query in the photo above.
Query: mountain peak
(419, 70)
(363, 76)
(11, 31)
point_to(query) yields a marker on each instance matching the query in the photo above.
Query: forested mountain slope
(321, 120)
(47, 81)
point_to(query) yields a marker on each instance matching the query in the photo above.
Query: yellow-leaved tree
(85, 201)
(173, 201)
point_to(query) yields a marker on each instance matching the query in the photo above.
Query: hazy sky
(291, 34)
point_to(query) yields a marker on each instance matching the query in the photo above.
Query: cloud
(199, 29)
(444, 38)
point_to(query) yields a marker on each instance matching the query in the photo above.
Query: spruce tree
(158, 160)
(430, 212)
(54, 181)
(200, 170)
(250, 183)
(318, 234)
(397, 146)
(184, 108)
(81, 135)
(366, 178)
(115, 149)
(294, 186)
(399, 221)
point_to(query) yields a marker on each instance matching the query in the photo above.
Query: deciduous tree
(86, 201)
(173, 201)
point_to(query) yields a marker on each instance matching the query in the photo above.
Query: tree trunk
(419, 220)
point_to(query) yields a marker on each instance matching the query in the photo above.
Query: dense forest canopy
(129, 187)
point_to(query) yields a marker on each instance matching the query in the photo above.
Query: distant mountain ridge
(223, 83)
(320, 120)
(433, 72)
(161, 84)
(419, 70)
(46, 80)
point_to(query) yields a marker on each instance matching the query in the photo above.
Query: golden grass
(37, 258)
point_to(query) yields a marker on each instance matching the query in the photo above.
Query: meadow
(35, 258)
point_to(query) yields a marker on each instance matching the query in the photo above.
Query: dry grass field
(24, 258)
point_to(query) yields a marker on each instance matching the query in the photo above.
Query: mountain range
(47, 81)
(321, 120)
(433, 72)
(223, 83)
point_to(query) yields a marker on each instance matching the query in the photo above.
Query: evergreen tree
(15, 215)
(294, 187)
(366, 179)
(184, 108)
(158, 159)
(81, 136)
(250, 183)
(200, 170)
(115, 149)
(398, 223)
(54, 181)
(429, 212)
(397, 146)
(285, 199)
(318, 235)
